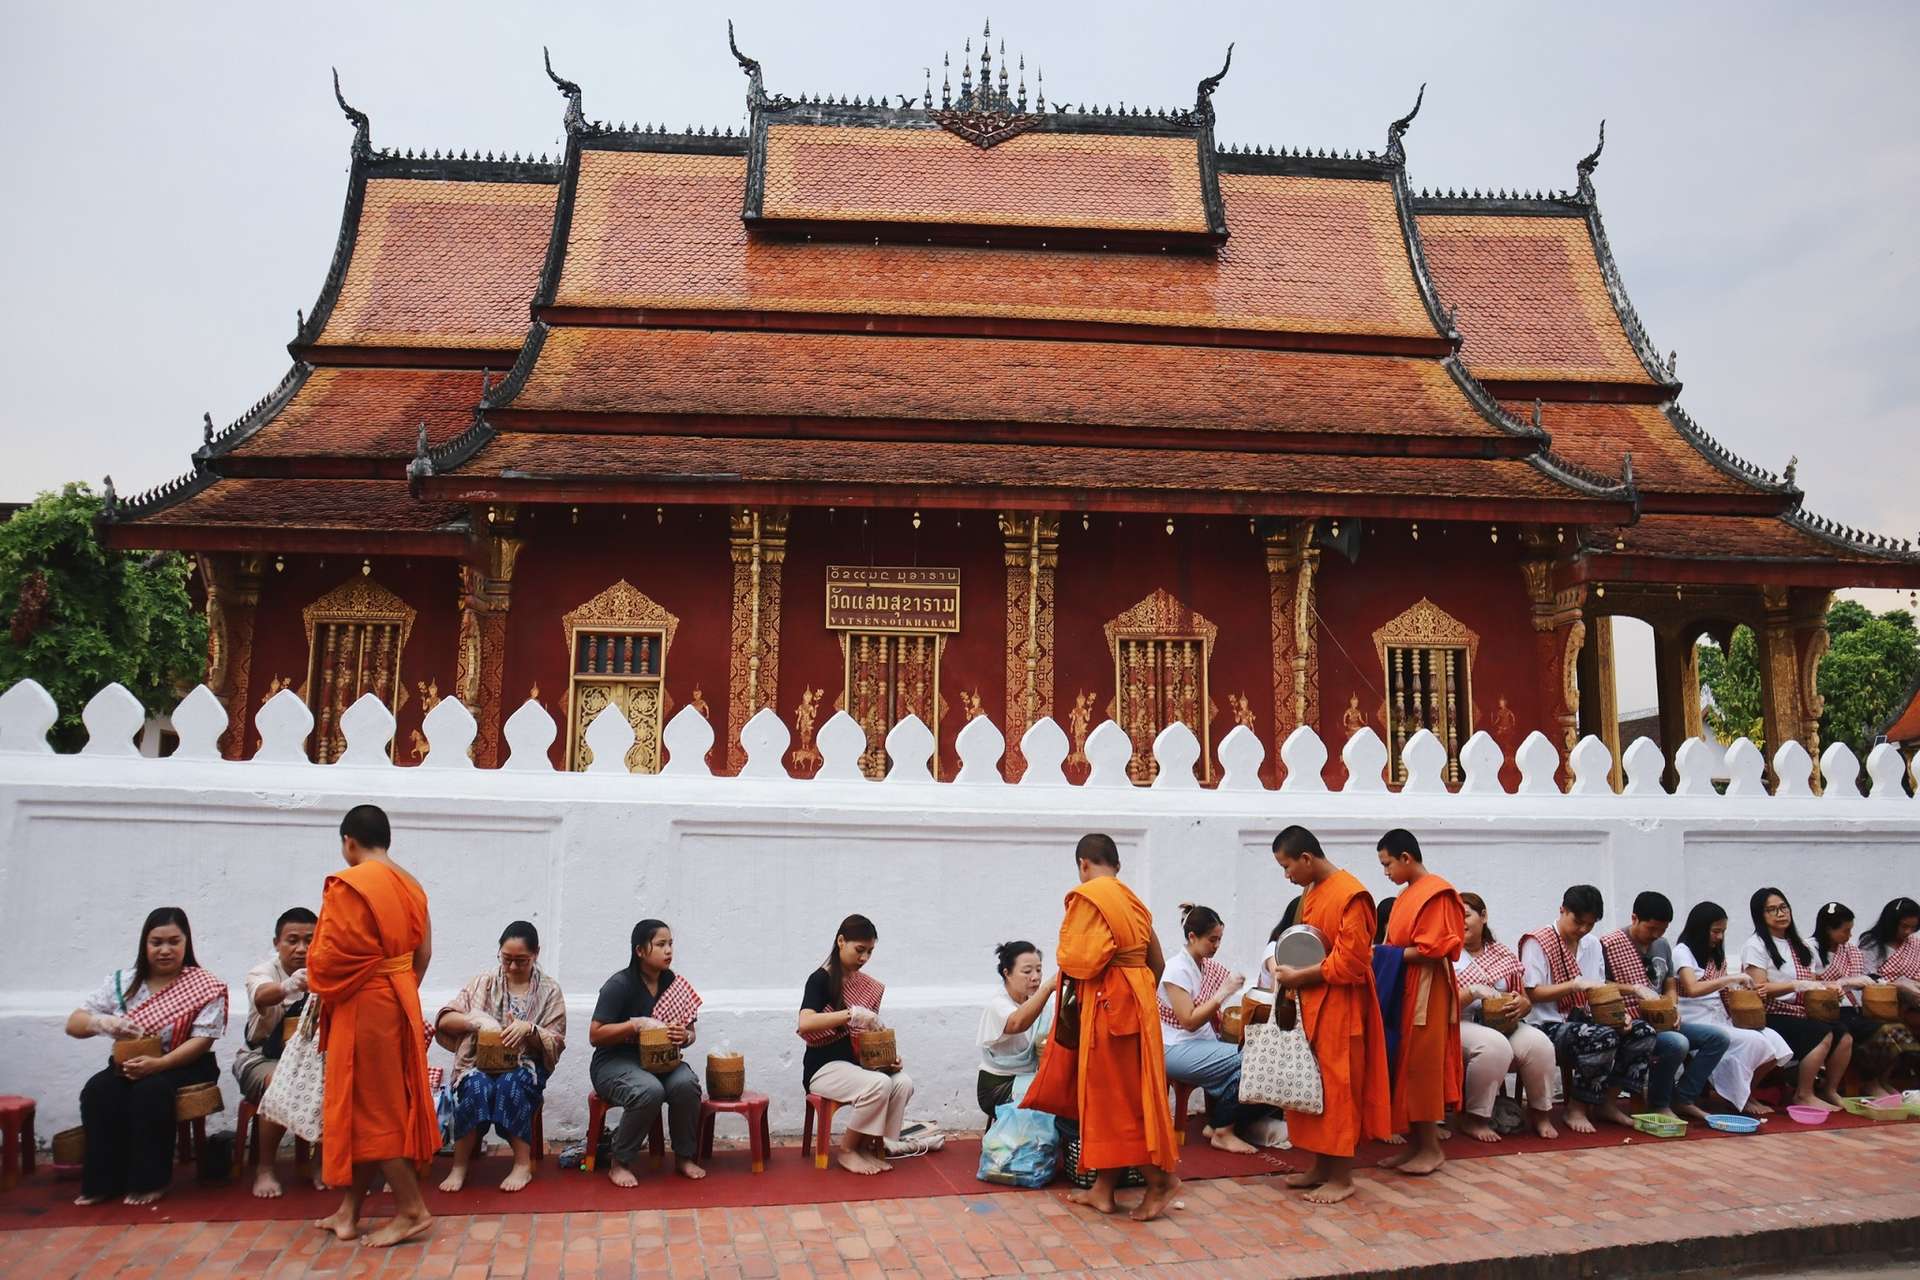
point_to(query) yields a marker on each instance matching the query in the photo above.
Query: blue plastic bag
(1021, 1149)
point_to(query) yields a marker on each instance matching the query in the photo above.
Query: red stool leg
(244, 1151)
(26, 1143)
(757, 1136)
(827, 1107)
(707, 1117)
(806, 1129)
(10, 1154)
(539, 1133)
(596, 1121)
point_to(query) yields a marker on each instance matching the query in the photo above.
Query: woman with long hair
(1892, 948)
(1487, 967)
(839, 1001)
(647, 995)
(526, 1007)
(127, 1108)
(1700, 974)
(1193, 990)
(1780, 965)
(1878, 1046)
(1011, 1023)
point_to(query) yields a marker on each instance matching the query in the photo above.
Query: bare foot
(621, 1176)
(1691, 1111)
(1225, 1139)
(687, 1169)
(341, 1223)
(1831, 1097)
(1395, 1139)
(1543, 1125)
(1399, 1157)
(83, 1201)
(1422, 1164)
(1578, 1120)
(858, 1162)
(1612, 1114)
(455, 1179)
(1446, 1134)
(1818, 1104)
(517, 1177)
(397, 1231)
(1155, 1202)
(1092, 1199)
(142, 1197)
(1304, 1179)
(1479, 1130)
(265, 1185)
(1330, 1193)
(1756, 1109)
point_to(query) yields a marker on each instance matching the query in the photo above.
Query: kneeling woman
(1010, 1025)
(839, 1000)
(1192, 991)
(127, 1109)
(526, 1007)
(646, 996)
(1780, 965)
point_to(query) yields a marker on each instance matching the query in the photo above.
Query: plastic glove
(648, 1024)
(1235, 981)
(114, 1026)
(861, 1019)
(483, 1021)
(295, 986)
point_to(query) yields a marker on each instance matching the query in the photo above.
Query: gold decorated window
(1427, 656)
(355, 635)
(1161, 654)
(617, 646)
(890, 675)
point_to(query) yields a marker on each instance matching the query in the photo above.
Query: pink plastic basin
(1808, 1115)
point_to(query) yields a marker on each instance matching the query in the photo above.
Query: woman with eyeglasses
(1878, 1046)
(1700, 971)
(1780, 964)
(528, 1010)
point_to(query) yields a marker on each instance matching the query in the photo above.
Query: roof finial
(575, 118)
(422, 465)
(112, 499)
(1396, 152)
(927, 100)
(1040, 88)
(1626, 469)
(946, 83)
(206, 426)
(756, 86)
(1536, 413)
(362, 130)
(1203, 96)
(1793, 464)
(1592, 160)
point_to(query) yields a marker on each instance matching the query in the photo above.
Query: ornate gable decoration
(1426, 626)
(1157, 617)
(985, 128)
(983, 114)
(621, 606)
(360, 601)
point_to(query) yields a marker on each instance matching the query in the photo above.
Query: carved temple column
(1560, 630)
(757, 541)
(1599, 699)
(233, 598)
(1792, 638)
(1676, 681)
(1292, 561)
(1031, 541)
(486, 589)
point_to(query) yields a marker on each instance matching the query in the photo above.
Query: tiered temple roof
(1007, 303)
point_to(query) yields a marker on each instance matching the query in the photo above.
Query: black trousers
(130, 1127)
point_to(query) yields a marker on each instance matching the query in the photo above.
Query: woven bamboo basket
(1501, 1013)
(1746, 1009)
(658, 1054)
(877, 1049)
(1822, 1005)
(140, 1047)
(1662, 1014)
(196, 1101)
(726, 1076)
(1608, 1007)
(1233, 1024)
(1881, 1002)
(69, 1147)
(490, 1055)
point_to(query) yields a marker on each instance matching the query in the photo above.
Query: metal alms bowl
(1300, 947)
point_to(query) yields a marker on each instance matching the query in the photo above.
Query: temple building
(980, 404)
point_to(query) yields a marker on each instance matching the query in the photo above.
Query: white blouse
(1754, 953)
(210, 1022)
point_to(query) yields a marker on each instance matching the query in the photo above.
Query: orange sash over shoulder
(1341, 1017)
(1115, 1085)
(1430, 916)
(377, 1104)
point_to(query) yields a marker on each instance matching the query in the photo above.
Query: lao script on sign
(883, 598)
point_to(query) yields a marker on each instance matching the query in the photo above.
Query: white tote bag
(1277, 1069)
(295, 1096)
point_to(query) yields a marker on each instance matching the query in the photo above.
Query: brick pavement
(1598, 1211)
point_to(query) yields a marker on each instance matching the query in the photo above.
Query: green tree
(80, 614)
(1733, 675)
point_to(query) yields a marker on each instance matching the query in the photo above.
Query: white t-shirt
(1710, 1009)
(1262, 980)
(1183, 971)
(1588, 961)
(1003, 1054)
(1755, 953)
(261, 1022)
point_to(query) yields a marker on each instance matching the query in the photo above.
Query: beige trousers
(876, 1102)
(1490, 1055)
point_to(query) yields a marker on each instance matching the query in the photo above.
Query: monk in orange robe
(1115, 1082)
(1341, 1016)
(369, 952)
(1429, 924)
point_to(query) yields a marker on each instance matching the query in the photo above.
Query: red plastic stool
(823, 1108)
(1182, 1099)
(16, 1139)
(190, 1141)
(246, 1139)
(751, 1105)
(597, 1121)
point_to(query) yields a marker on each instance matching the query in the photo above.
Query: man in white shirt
(276, 990)
(1562, 963)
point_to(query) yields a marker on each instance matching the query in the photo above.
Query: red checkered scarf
(1624, 967)
(1560, 967)
(1791, 1004)
(179, 1005)
(1903, 961)
(1496, 966)
(1848, 962)
(678, 1005)
(1213, 976)
(856, 988)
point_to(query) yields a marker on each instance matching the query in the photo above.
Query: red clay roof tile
(236, 502)
(1704, 537)
(1596, 435)
(367, 412)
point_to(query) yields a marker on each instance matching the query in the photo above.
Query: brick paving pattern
(1721, 1202)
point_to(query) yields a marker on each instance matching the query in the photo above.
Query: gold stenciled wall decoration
(889, 675)
(617, 647)
(1161, 654)
(1427, 657)
(355, 635)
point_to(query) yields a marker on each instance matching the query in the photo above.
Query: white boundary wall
(754, 872)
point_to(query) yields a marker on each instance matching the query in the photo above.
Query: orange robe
(1118, 1079)
(1341, 1016)
(1430, 916)
(377, 1105)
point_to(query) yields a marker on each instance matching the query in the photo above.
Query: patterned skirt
(506, 1101)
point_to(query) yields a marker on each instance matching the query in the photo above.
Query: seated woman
(646, 995)
(1892, 949)
(526, 1007)
(1192, 991)
(1270, 961)
(1700, 974)
(839, 1000)
(1486, 968)
(127, 1109)
(1011, 1023)
(1780, 965)
(1877, 1046)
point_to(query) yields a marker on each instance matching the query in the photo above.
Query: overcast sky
(178, 170)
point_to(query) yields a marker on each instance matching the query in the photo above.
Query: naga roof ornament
(757, 96)
(1591, 162)
(362, 129)
(1203, 94)
(576, 117)
(1396, 150)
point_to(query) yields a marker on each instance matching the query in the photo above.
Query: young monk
(1341, 1016)
(1115, 1082)
(369, 952)
(276, 991)
(1562, 963)
(1429, 925)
